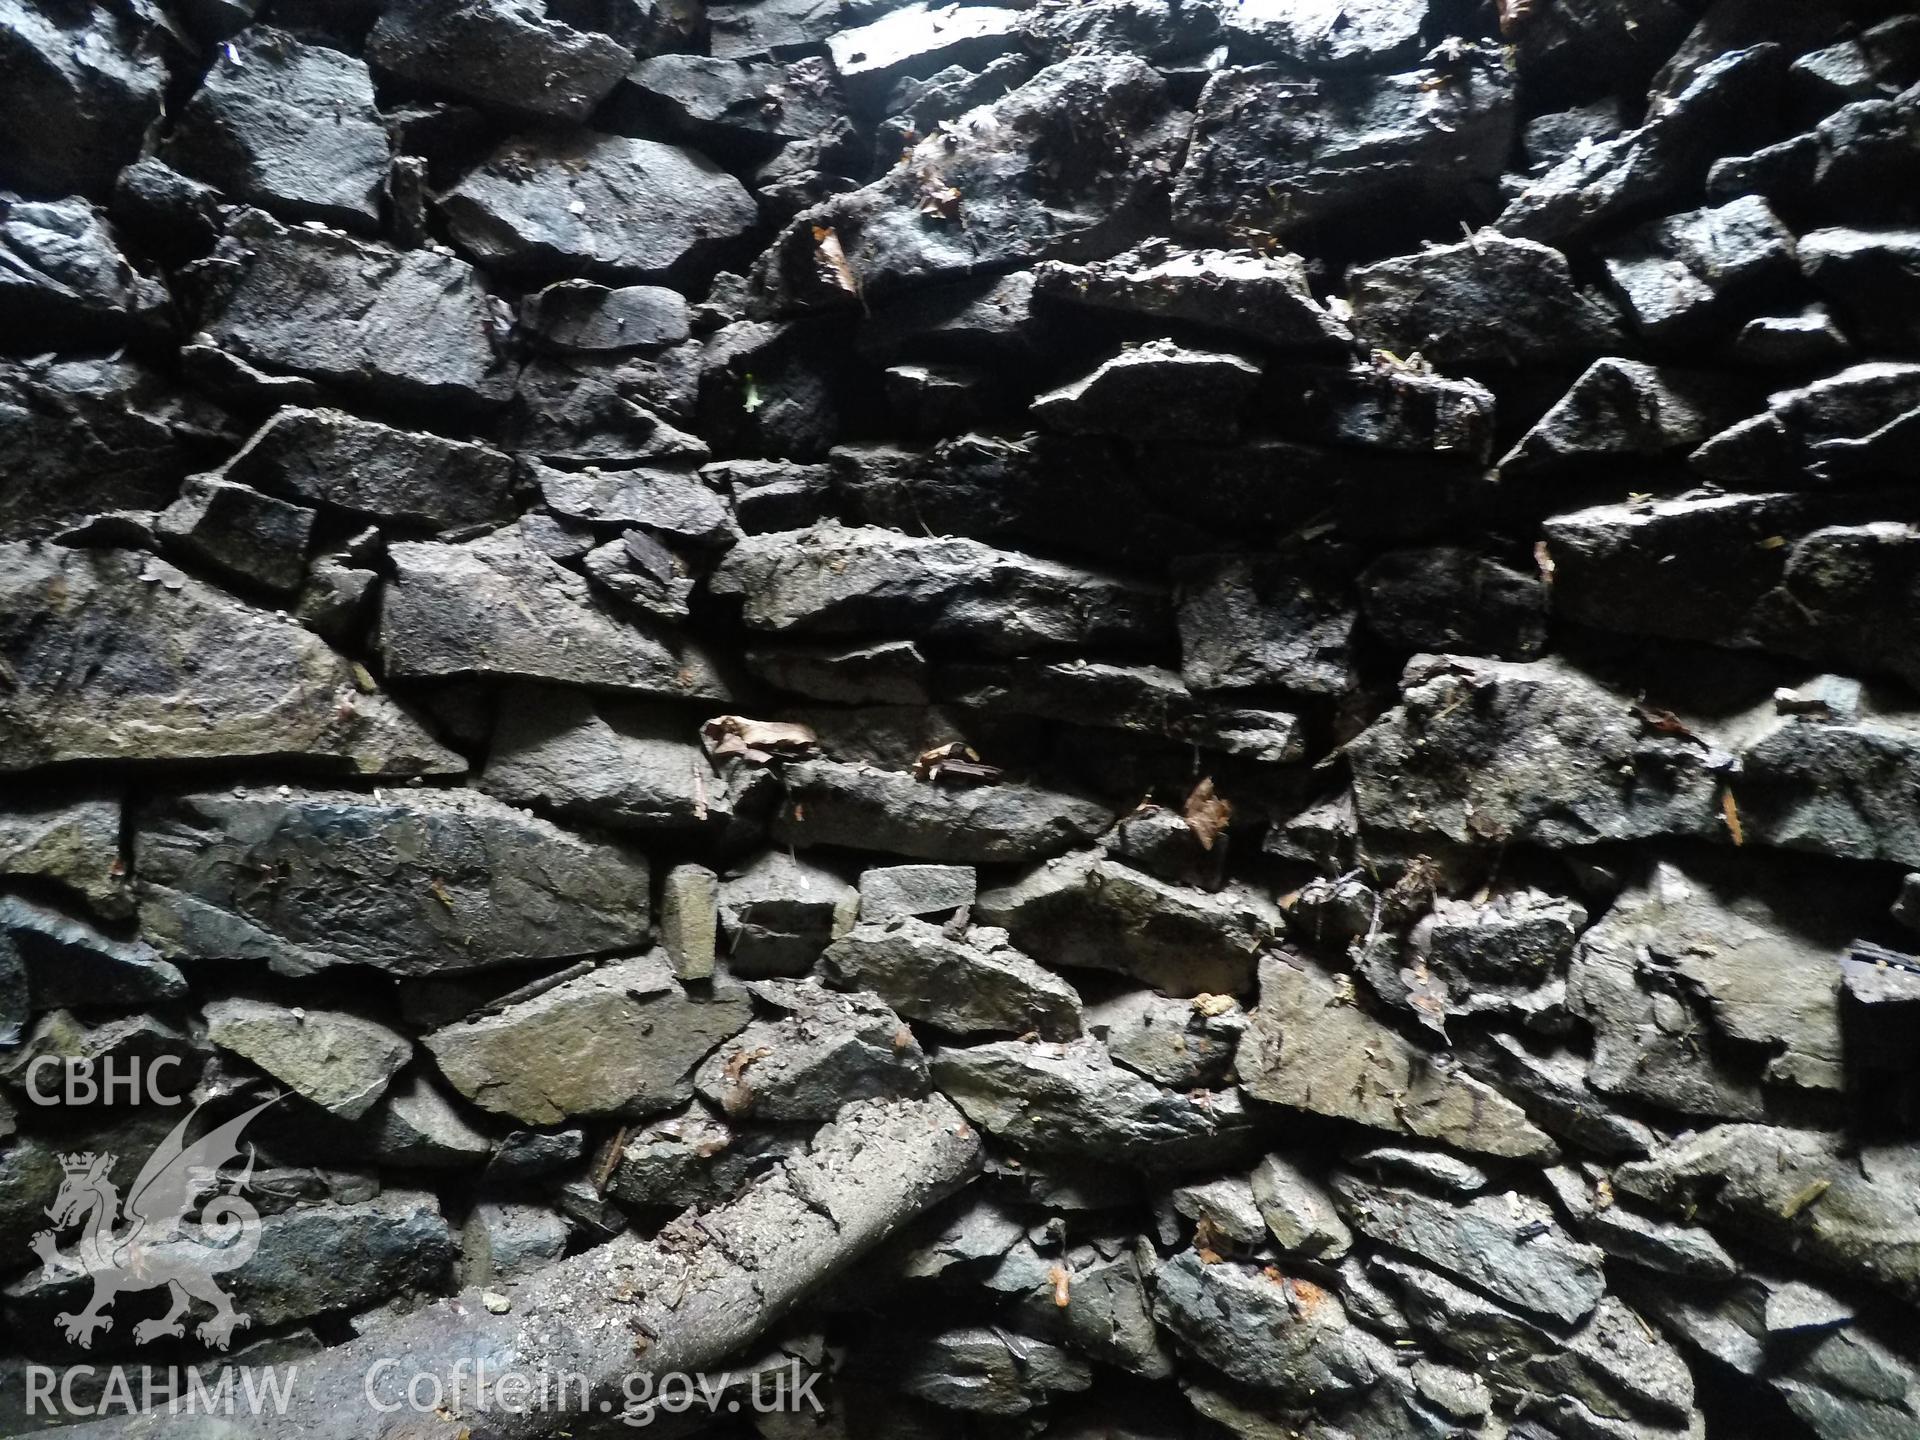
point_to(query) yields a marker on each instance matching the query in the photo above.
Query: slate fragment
(415, 884)
(508, 57)
(261, 685)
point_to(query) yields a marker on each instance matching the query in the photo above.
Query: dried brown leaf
(1207, 814)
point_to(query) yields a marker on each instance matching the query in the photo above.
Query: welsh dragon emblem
(158, 1244)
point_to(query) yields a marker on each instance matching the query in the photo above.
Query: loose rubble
(1102, 718)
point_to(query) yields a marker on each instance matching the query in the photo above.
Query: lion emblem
(153, 1243)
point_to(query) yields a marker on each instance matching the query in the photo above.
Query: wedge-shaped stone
(1487, 298)
(971, 198)
(825, 1050)
(116, 655)
(418, 883)
(287, 126)
(963, 985)
(409, 324)
(1309, 1048)
(498, 606)
(328, 457)
(1487, 751)
(1274, 155)
(1493, 1243)
(341, 1062)
(1261, 296)
(1071, 1100)
(835, 580)
(864, 808)
(64, 280)
(508, 56)
(1280, 1335)
(617, 208)
(73, 842)
(1843, 1206)
(620, 1040)
(1088, 911)
(1624, 410)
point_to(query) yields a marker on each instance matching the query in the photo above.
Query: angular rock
(1869, 277)
(1087, 911)
(1839, 1207)
(834, 580)
(1387, 404)
(1507, 1245)
(1836, 787)
(1760, 964)
(962, 985)
(1157, 390)
(328, 457)
(889, 892)
(1284, 1336)
(1622, 410)
(65, 281)
(1249, 622)
(676, 504)
(578, 317)
(396, 1244)
(690, 920)
(1072, 1101)
(606, 205)
(732, 108)
(1847, 427)
(66, 963)
(416, 1127)
(419, 883)
(1484, 752)
(73, 842)
(83, 436)
(1553, 1090)
(1454, 601)
(413, 325)
(340, 1061)
(889, 672)
(745, 29)
(502, 1239)
(1432, 1170)
(981, 203)
(1223, 1211)
(82, 88)
(508, 57)
(1659, 161)
(1179, 1044)
(289, 127)
(1256, 295)
(779, 913)
(916, 40)
(258, 686)
(1548, 139)
(244, 535)
(498, 607)
(1802, 341)
(981, 1369)
(828, 1049)
(861, 807)
(620, 1040)
(1676, 278)
(1272, 155)
(1587, 44)
(1486, 299)
(616, 764)
(1327, 35)
(1309, 1049)
(1298, 1212)
(1108, 1316)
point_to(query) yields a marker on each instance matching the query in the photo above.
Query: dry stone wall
(1104, 718)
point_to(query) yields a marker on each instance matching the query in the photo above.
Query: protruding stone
(828, 1049)
(415, 883)
(1310, 1048)
(617, 208)
(779, 913)
(690, 920)
(259, 685)
(964, 985)
(339, 1061)
(620, 1040)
